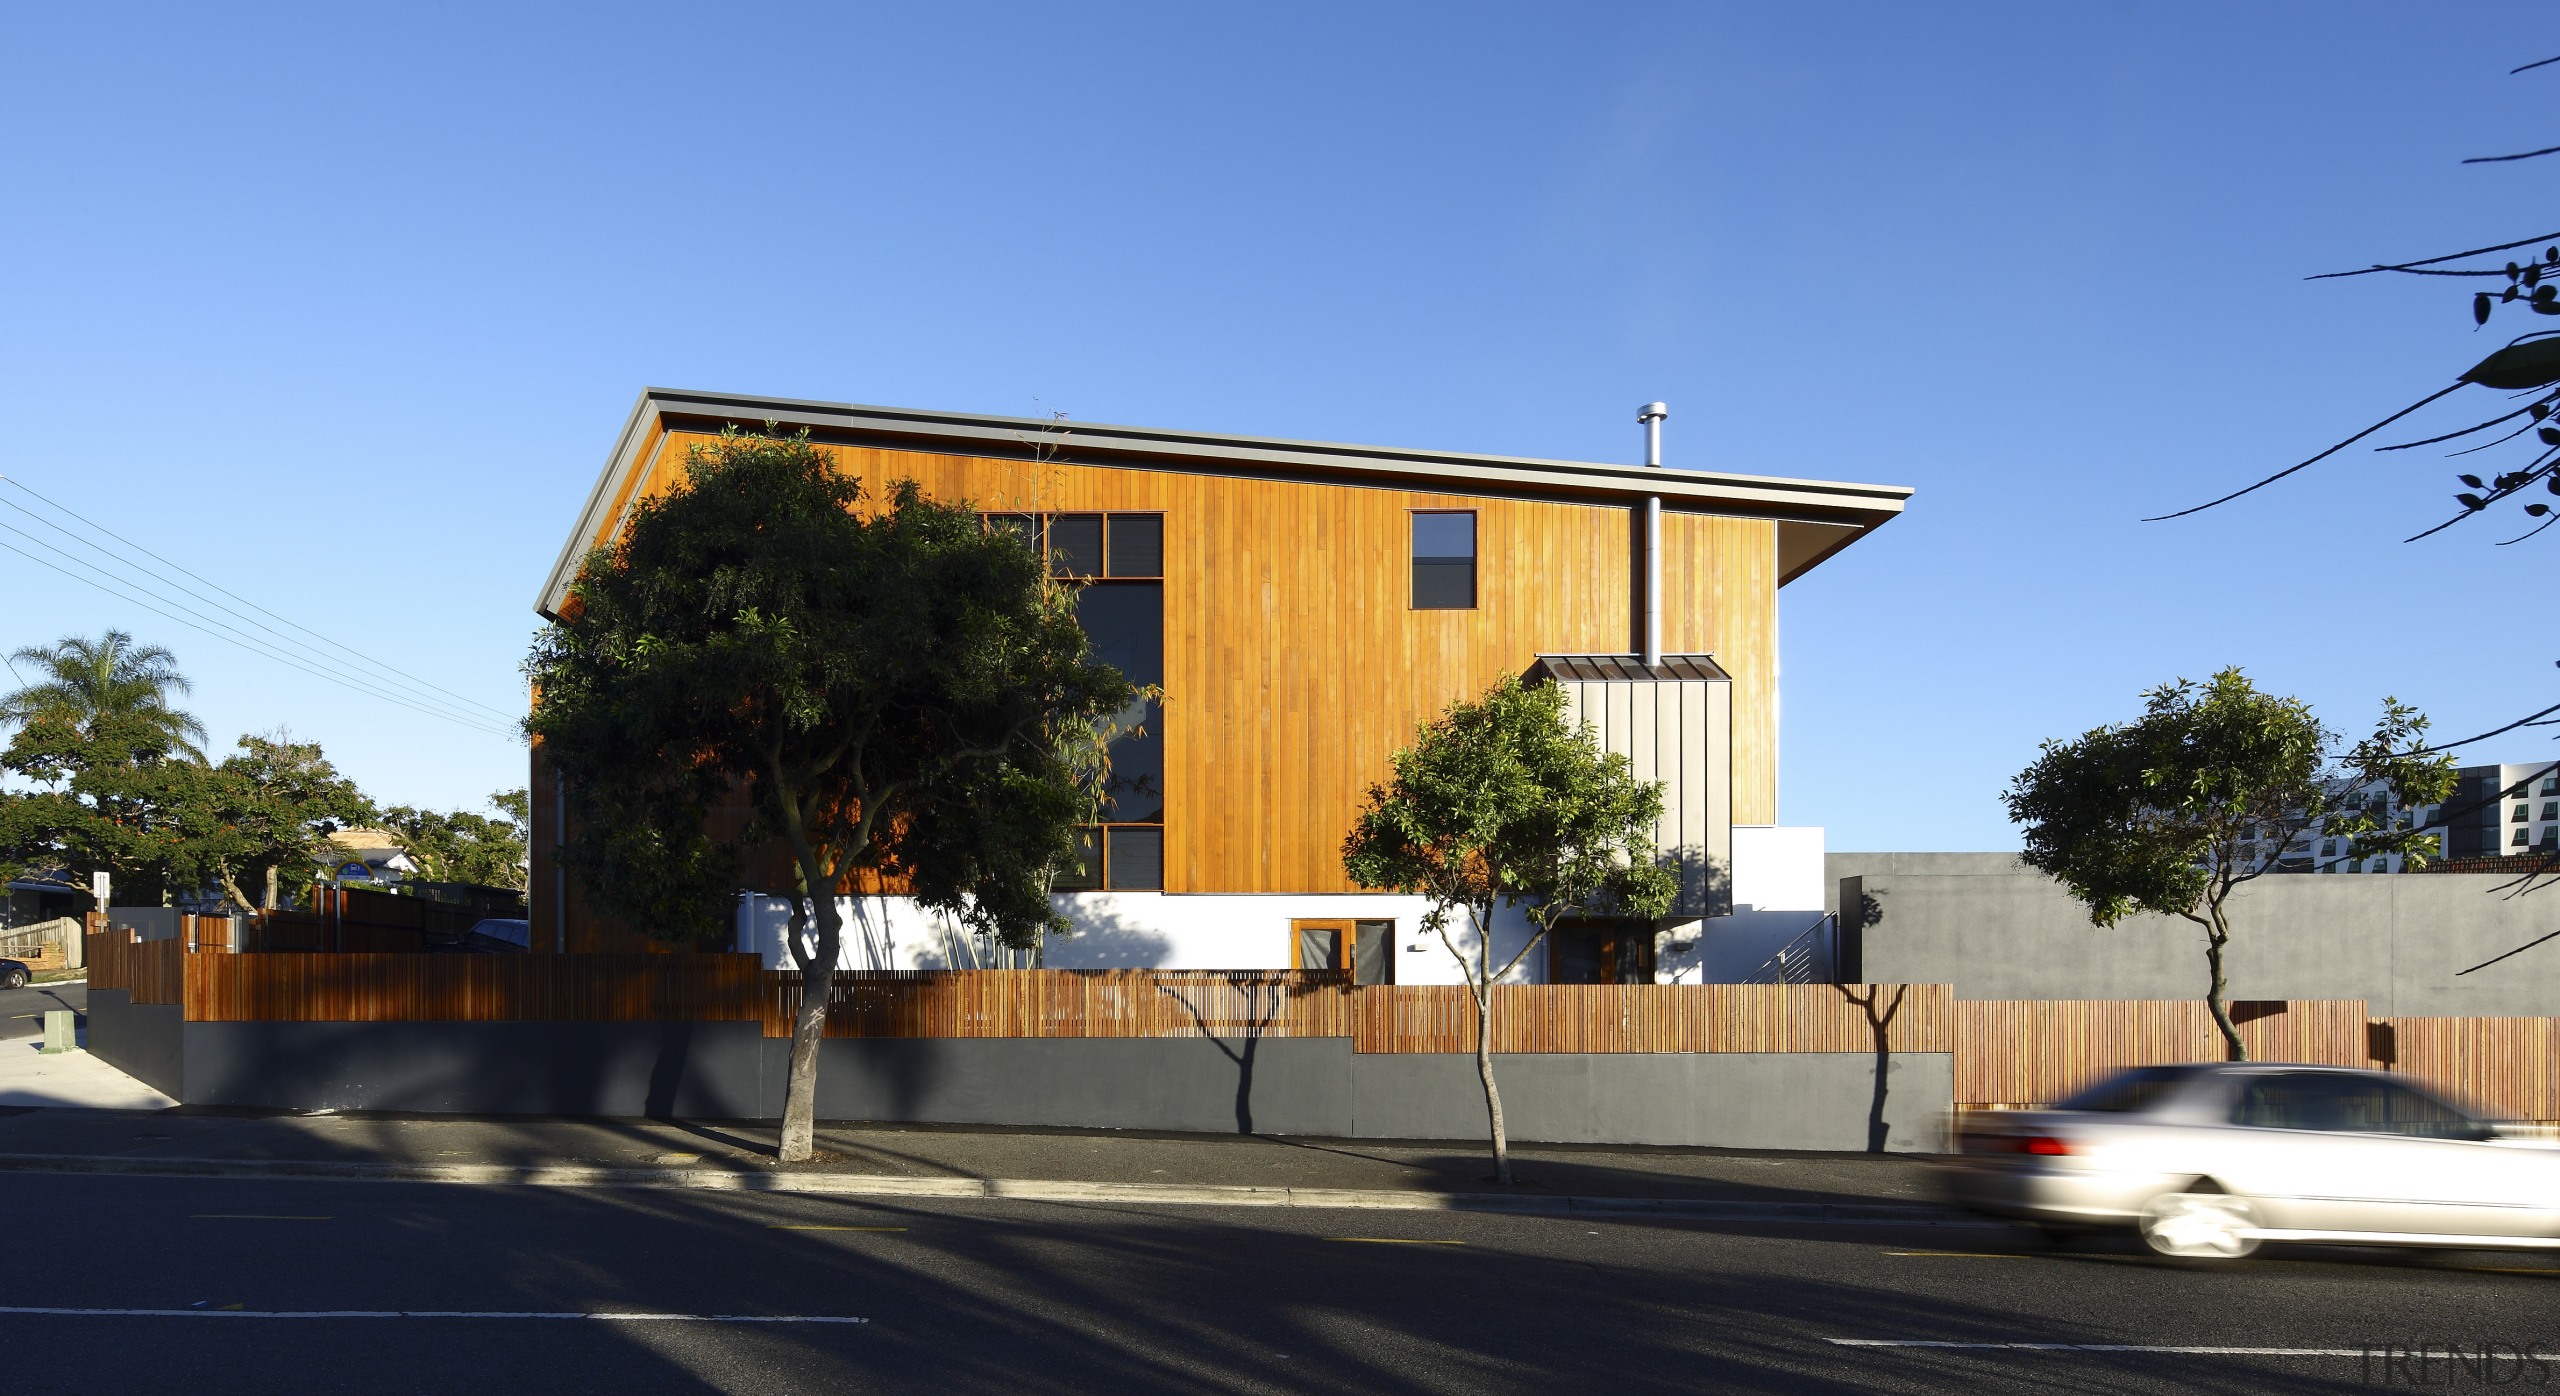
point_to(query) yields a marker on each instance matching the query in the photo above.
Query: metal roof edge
(1860, 506)
(1162, 441)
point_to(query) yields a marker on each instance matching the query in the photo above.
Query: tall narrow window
(1444, 561)
(1116, 565)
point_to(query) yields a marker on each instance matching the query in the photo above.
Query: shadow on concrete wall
(1879, 1012)
(1241, 1057)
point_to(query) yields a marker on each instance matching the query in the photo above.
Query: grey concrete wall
(1270, 1086)
(144, 1041)
(2396, 941)
(704, 1070)
(1204, 1085)
(1744, 1100)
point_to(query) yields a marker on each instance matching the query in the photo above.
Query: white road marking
(602, 1317)
(2191, 1350)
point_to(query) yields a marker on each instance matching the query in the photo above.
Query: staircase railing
(1807, 959)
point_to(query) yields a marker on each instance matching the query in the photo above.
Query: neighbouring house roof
(1629, 668)
(1816, 518)
(378, 847)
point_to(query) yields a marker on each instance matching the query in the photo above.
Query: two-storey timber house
(1305, 605)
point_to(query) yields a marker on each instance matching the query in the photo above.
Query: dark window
(2551, 809)
(2523, 815)
(1373, 952)
(2347, 1102)
(1023, 526)
(2414, 1112)
(1125, 622)
(1137, 545)
(2551, 784)
(1075, 545)
(1136, 859)
(1085, 873)
(2523, 837)
(2127, 1092)
(2316, 1100)
(1600, 952)
(1444, 562)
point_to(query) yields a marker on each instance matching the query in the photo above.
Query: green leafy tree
(465, 845)
(110, 762)
(1501, 802)
(887, 682)
(273, 805)
(103, 795)
(87, 682)
(2174, 811)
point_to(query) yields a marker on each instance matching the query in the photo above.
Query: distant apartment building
(2494, 811)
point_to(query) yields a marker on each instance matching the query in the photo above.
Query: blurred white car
(2209, 1161)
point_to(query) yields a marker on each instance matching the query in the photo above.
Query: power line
(412, 681)
(361, 683)
(288, 661)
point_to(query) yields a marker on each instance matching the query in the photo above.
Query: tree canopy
(2171, 812)
(466, 845)
(90, 685)
(1500, 802)
(887, 684)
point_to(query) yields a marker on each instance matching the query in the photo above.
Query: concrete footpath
(948, 1161)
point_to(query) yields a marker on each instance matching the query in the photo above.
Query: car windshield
(2128, 1091)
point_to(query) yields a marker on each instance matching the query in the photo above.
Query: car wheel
(2200, 1225)
(15, 977)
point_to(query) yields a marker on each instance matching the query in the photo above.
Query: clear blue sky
(343, 306)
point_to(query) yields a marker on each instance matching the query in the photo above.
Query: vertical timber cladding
(1295, 665)
(1720, 597)
(1678, 732)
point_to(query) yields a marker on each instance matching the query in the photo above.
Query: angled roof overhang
(1816, 518)
(1629, 668)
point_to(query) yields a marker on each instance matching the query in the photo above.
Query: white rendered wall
(1140, 930)
(1777, 867)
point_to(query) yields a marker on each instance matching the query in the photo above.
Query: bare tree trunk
(2217, 935)
(1484, 1049)
(809, 1025)
(270, 903)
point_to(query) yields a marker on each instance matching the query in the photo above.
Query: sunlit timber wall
(1294, 662)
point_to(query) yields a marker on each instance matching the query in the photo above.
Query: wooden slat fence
(151, 970)
(2035, 1051)
(1075, 1003)
(1660, 1018)
(2509, 1067)
(374, 988)
(2007, 1053)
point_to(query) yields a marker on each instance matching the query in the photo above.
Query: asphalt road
(22, 1010)
(267, 1286)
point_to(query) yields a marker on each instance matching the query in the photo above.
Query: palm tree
(108, 676)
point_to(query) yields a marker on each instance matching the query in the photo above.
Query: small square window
(2523, 838)
(2551, 784)
(1137, 545)
(1137, 859)
(1085, 873)
(1023, 526)
(1075, 545)
(1444, 561)
(2523, 814)
(2551, 809)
